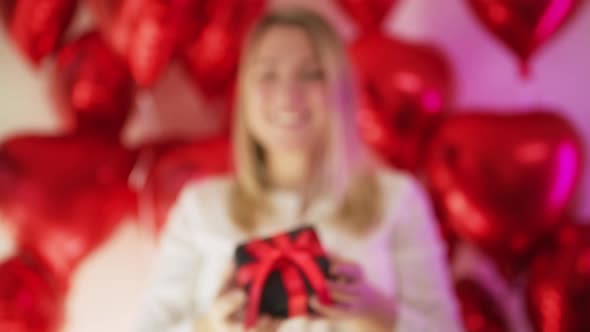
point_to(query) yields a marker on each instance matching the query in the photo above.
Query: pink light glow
(460, 207)
(565, 174)
(431, 101)
(552, 19)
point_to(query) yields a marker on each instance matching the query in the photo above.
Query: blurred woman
(299, 161)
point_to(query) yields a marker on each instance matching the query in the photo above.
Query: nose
(290, 96)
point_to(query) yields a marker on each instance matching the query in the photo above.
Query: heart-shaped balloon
(93, 85)
(524, 25)
(159, 28)
(64, 194)
(212, 58)
(405, 90)
(558, 290)
(368, 14)
(116, 20)
(504, 181)
(169, 166)
(31, 296)
(480, 311)
(6, 11)
(37, 26)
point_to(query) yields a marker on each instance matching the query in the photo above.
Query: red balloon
(93, 85)
(64, 194)
(481, 313)
(31, 296)
(503, 182)
(169, 166)
(121, 21)
(6, 10)
(558, 290)
(405, 90)
(37, 26)
(157, 34)
(212, 58)
(116, 20)
(368, 14)
(524, 25)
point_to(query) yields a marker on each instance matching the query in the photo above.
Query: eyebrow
(309, 60)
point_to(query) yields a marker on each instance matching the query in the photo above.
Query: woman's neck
(288, 170)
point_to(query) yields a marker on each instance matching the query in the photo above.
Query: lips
(289, 119)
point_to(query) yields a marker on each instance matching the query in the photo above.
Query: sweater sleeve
(168, 302)
(426, 301)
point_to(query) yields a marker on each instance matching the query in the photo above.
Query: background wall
(108, 285)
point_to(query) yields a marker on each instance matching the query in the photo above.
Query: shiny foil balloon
(64, 195)
(558, 290)
(480, 311)
(212, 58)
(31, 296)
(169, 166)
(368, 14)
(93, 85)
(405, 90)
(504, 181)
(154, 22)
(524, 25)
(158, 32)
(116, 20)
(6, 11)
(37, 26)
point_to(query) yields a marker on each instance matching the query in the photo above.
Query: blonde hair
(344, 171)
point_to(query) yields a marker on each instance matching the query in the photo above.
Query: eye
(267, 76)
(315, 74)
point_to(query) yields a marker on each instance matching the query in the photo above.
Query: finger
(232, 327)
(348, 270)
(266, 324)
(228, 280)
(224, 325)
(328, 311)
(229, 304)
(351, 288)
(343, 298)
(344, 293)
(261, 324)
(344, 267)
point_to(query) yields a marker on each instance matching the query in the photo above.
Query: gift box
(280, 274)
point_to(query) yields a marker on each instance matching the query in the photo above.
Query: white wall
(108, 285)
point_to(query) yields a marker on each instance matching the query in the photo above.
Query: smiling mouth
(290, 119)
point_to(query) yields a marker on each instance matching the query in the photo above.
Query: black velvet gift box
(287, 269)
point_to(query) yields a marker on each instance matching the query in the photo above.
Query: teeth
(289, 119)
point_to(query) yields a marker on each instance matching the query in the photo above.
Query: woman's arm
(168, 302)
(425, 297)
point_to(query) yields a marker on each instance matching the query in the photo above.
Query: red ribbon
(289, 257)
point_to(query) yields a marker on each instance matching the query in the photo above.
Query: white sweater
(404, 257)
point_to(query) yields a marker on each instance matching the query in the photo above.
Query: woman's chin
(291, 143)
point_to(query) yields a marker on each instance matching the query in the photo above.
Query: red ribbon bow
(289, 257)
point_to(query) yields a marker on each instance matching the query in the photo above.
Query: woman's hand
(228, 309)
(354, 298)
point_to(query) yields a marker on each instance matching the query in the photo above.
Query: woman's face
(287, 104)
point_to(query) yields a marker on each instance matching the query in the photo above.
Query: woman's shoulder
(404, 199)
(206, 197)
(396, 182)
(204, 203)
(210, 187)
